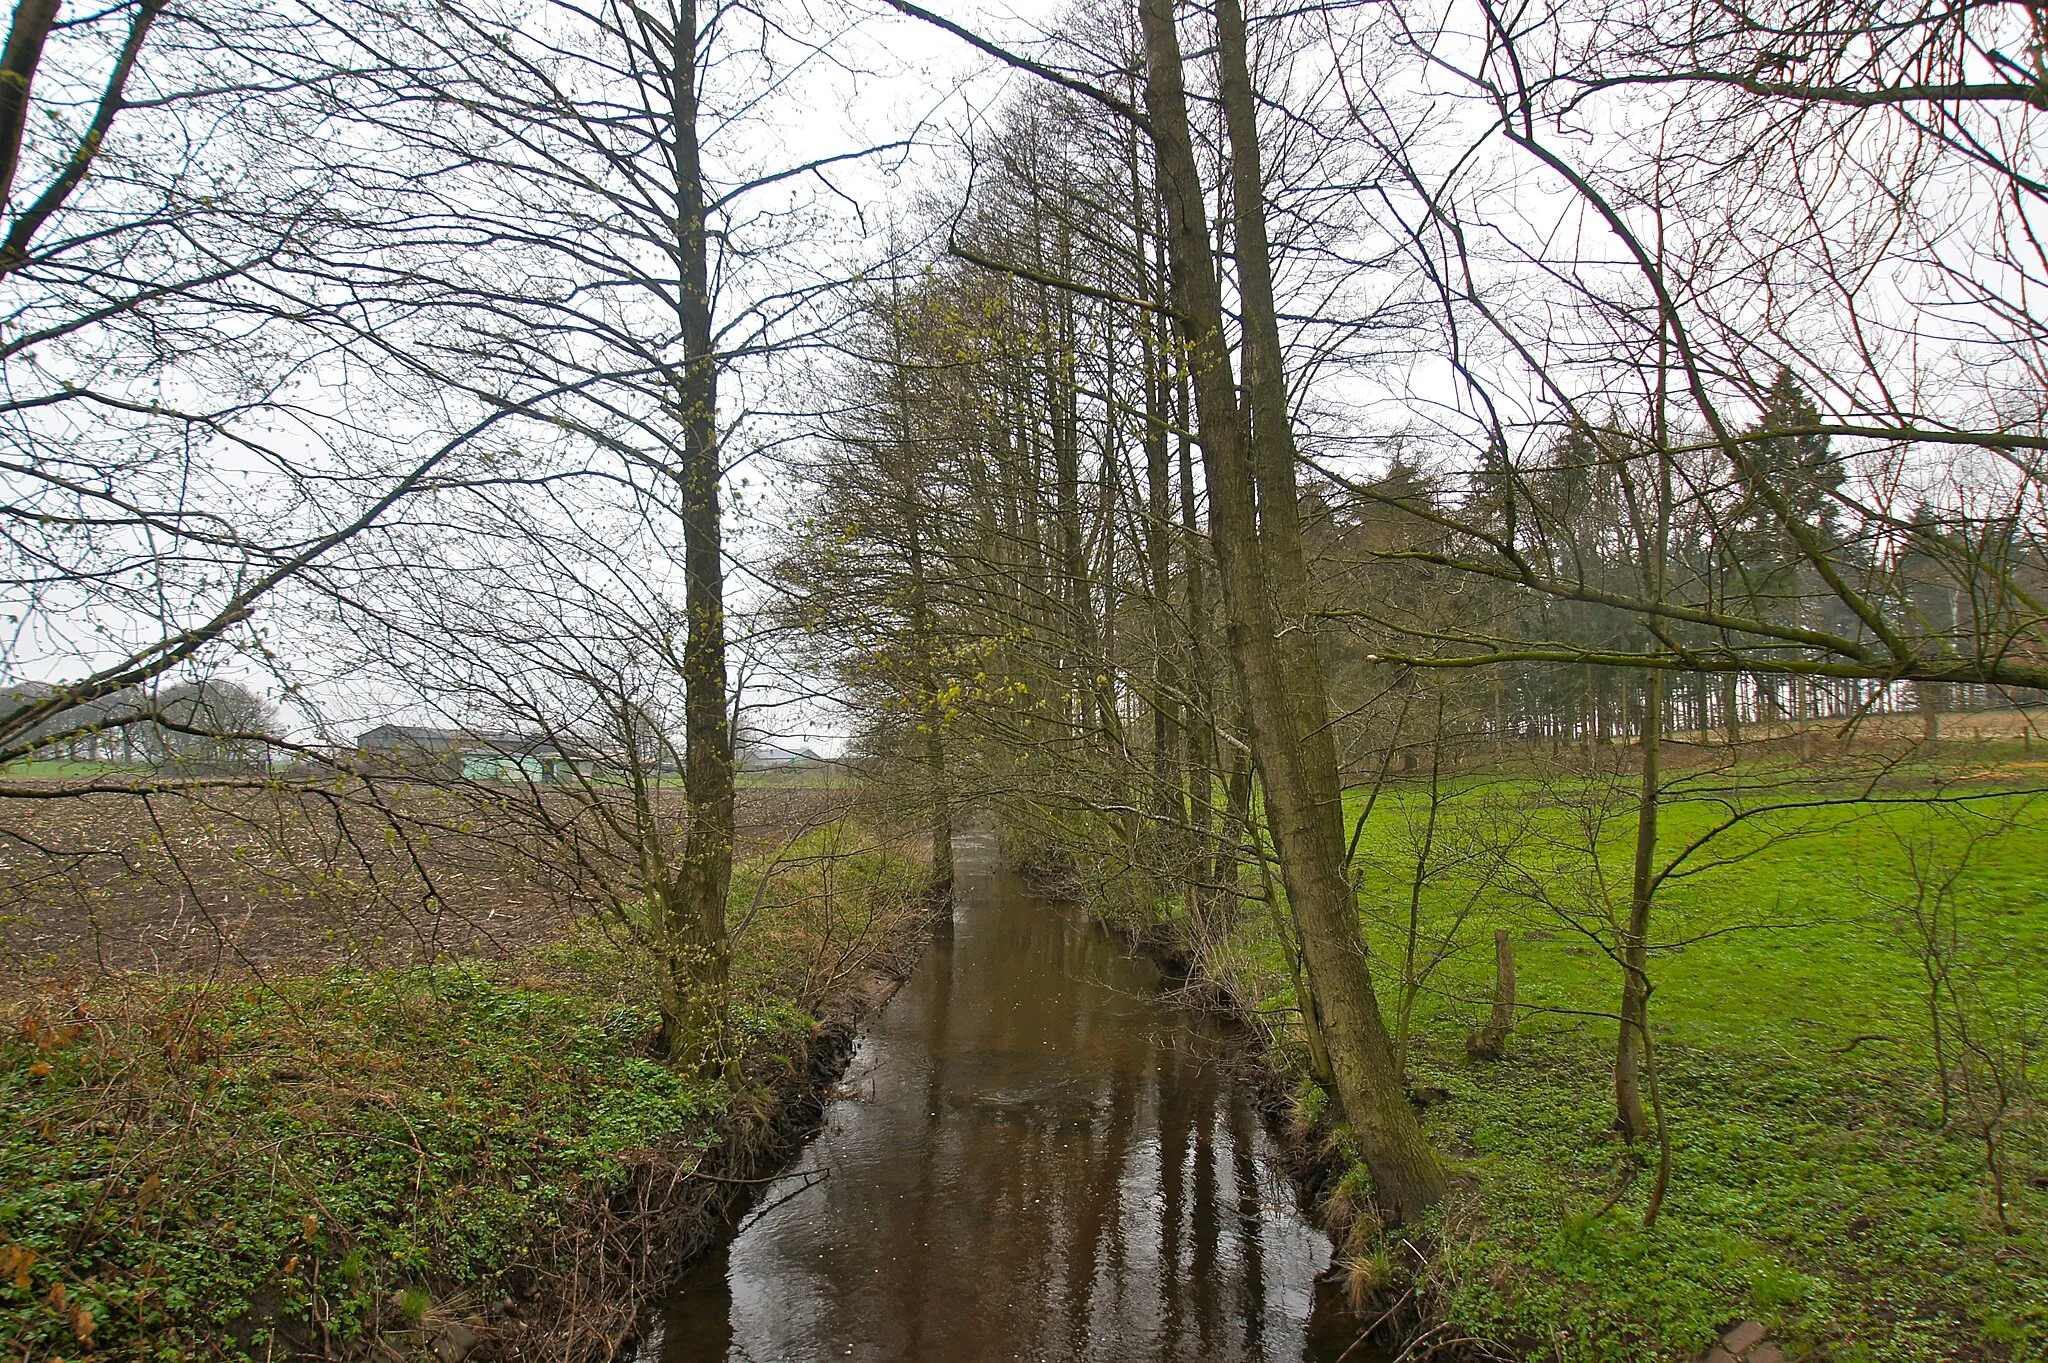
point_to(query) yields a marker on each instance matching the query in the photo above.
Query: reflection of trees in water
(1051, 1162)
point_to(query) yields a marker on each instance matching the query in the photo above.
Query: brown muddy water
(1034, 1156)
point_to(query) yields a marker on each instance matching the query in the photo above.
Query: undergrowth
(306, 1163)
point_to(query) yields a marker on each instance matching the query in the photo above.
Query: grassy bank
(1817, 1185)
(359, 1162)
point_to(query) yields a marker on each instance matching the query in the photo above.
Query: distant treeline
(206, 724)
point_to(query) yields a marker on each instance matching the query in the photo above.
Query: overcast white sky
(896, 75)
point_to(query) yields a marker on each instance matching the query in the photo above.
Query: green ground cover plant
(1827, 1179)
(227, 1168)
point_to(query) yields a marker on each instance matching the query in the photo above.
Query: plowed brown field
(288, 877)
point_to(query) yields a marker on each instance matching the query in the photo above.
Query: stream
(1033, 1155)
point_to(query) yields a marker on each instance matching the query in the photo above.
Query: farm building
(771, 756)
(479, 755)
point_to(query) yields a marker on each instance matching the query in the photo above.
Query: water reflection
(1038, 1159)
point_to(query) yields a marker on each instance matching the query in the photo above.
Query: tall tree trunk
(1104, 668)
(937, 788)
(941, 816)
(1632, 1045)
(1201, 745)
(1237, 817)
(1291, 737)
(1168, 798)
(1077, 628)
(1931, 699)
(33, 20)
(929, 679)
(705, 875)
(1312, 1030)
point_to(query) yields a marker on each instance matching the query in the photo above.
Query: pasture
(1826, 1179)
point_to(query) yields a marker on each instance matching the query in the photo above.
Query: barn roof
(504, 742)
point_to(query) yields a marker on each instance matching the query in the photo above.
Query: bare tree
(1984, 1024)
(174, 450)
(577, 195)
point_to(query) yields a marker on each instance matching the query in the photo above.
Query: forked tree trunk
(1304, 994)
(1282, 676)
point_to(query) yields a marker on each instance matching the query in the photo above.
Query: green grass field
(1816, 1186)
(57, 770)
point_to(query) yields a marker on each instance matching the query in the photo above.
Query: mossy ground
(212, 1169)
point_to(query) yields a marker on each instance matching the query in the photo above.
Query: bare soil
(287, 878)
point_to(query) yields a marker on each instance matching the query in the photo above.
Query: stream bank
(464, 1159)
(1035, 1154)
(628, 1244)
